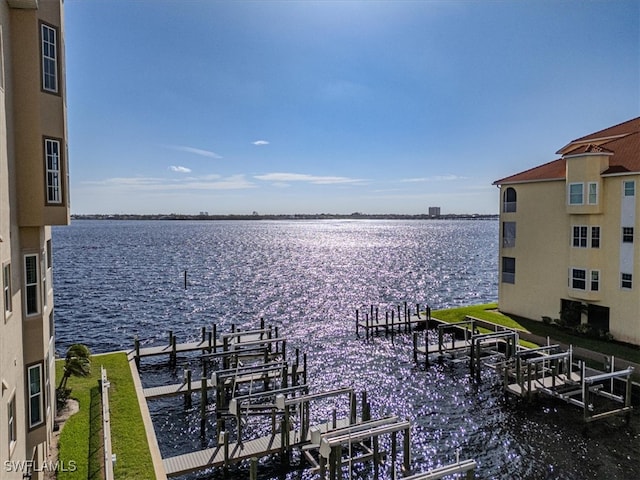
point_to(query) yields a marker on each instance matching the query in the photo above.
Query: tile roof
(621, 142)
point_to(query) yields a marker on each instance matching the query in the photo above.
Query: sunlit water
(115, 280)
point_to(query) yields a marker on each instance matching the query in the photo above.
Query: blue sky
(230, 107)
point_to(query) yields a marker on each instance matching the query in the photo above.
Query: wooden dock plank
(259, 447)
(175, 389)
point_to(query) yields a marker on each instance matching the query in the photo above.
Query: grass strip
(490, 313)
(80, 439)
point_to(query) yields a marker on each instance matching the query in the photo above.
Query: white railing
(109, 458)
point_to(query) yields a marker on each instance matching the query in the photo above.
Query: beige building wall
(29, 114)
(545, 255)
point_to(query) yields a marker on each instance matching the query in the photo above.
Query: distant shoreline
(303, 216)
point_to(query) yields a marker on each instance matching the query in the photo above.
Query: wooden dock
(237, 452)
(175, 389)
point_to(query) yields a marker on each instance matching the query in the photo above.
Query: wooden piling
(203, 407)
(136, 343)
(253, 468)
(187, 396)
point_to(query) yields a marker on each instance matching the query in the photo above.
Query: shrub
(546, 320)
(583, 329)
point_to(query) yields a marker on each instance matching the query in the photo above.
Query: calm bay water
(117, 279)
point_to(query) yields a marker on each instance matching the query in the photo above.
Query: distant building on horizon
(434, 211)
(568, 228)
(33, 196)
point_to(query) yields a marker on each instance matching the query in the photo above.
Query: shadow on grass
(95, 436)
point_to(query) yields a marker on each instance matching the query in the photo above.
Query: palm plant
(77, 363)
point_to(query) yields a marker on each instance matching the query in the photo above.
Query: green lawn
(489, 313)
(80, 439)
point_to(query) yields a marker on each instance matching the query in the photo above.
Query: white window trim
(572, 278)
(35, 283)
(39, 395)
(624, 188)
(622, 280)
(53, 178)
(12, 427)
(581, 195)
(46, 58)
(6, 290)
(591, 237)
(589, 193)
(591, 272)
(579, 237)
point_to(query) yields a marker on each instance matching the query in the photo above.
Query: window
(35, 395)
(578, 278)
(626, 280)
(595, 280)
(509, 200)
(6, 288)
(579, 238)
(31, 281)
(595, 237)
(52, 164)
(508, 270)
(629, 188)
(592, 193)
(508, 234)
(11, 423)
(576, 193)
(627, 234)
(49, 38)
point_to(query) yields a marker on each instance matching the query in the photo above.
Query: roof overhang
(23, 3)
(520, 182)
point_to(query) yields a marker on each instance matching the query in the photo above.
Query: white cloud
(195, 151)
(260, 142)
(436, 178)
(281, 178)
(207, 182)
(179, 169)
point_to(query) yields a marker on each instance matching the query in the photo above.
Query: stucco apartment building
(33, 196)
(569, 234)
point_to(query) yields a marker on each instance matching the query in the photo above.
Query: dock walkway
(237, 452)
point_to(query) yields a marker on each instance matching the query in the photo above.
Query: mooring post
(352, 405)
(173, 350)
(203, 406)
(185, 279)
(214, 334)
(334, 418)
(261, 328)
(386, 323)
(415, 346)
(284, 347)
(253, 468)
(225, 442)
(294, 375)
(426, 348)
(304, 366)
(376, 457)
(187, 396)
(406, 451)
(285, 376)
(407, 318)
(136, 343)
(418, 310)
(393, 315)
(357, 323)
(377, 320)
(399, 320)
(366, 322)
(394, 453)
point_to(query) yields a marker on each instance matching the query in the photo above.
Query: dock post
(253, 468)
(407, 318)
(304, 366)
(225, 441)
(352, 405)
(376, 457)
(406, 451)
(365, 416)
(323, 467)
(214, 335)
(187, 396)
(415, 346)
(284, 347)
(394, 453)
(472, 351)
(209, 341)
(285, 374)
(386, 323)
(136, 343)
(418, 310)
(173, 355)
(294, 375)
(203, 406)
(261, 327)
(377, 323)
(399, 320)
(204, 334)
(393, 314)
(357, 323)
(334, 418)
(366, 322)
